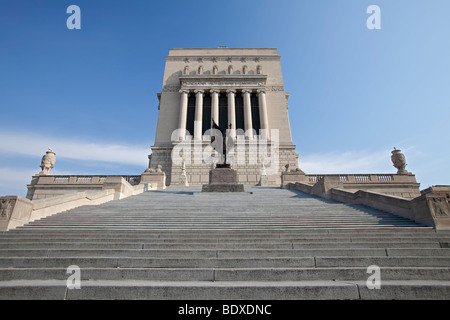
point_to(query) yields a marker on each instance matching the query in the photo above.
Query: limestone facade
(242, 90)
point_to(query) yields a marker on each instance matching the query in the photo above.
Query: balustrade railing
(352, 178)
(133, 180)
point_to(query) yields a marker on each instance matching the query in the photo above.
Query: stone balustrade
(400, 185)
(430, 209)
(45, 186)
(16, 211)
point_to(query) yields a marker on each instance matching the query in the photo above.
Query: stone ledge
(223, 187)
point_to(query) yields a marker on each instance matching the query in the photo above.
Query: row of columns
(231, 94)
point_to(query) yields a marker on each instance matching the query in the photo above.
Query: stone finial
(47, 162)
(399, 161)
(183, 177)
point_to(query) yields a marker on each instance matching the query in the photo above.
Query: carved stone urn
(399, 161)
(47, 163)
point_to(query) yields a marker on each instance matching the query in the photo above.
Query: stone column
(198, 115)
(263, 113)
(232, 112)
(248, 113)
(215, 105)
(183, 114)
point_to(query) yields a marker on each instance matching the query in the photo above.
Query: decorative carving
(183, 177)
(6, 208)
(257, 59)
(259, 69)
(47, 162)
(186, 70)
(275, 88)
(244, 69)
(230, 69)
(200, 69)
(171, 89)
(215, 70)
(158, 169)
(229, 59)
(399, 161)
(196, 83)
(214, 59)
(200, 60)
(439, 207)
(186, 60)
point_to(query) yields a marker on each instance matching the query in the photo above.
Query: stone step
(274, 262)
(218, 246)
(224, 253)
(220, 290)
(229, 274)
(177, 244)
(223, 241)
(413, 231)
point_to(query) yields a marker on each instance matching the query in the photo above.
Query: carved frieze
(6, 208)
(439, 207)
(171, 89)
(228, 59)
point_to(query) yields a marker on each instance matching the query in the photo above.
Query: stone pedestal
(157, 179)
(223, 180)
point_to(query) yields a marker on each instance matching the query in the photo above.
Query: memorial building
(240, 220)
(242, 91)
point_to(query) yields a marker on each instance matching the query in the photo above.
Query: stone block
(14, 211)
(223, 175)
(223, 187)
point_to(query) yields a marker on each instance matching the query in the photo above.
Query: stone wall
(16, 211)
(399, 185)
(244, 158)
(428, 209)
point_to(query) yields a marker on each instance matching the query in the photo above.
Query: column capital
(214, 91)
(261, 90)
(231, 91)
(184, 91)
(199, 91)
(247, 90)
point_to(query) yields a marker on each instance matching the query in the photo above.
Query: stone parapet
(46, 186)
(16, 211)
(154, 180)
(429, 209)
(399, 185)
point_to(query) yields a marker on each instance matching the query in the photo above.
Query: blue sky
(355, 93)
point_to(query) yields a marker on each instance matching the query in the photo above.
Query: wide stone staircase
(266, 243)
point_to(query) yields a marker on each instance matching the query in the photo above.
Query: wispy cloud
(14, 181)
(347, 162)
(35, 145)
